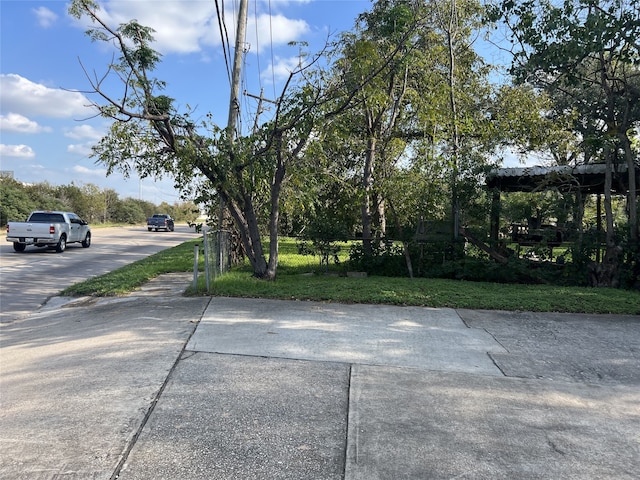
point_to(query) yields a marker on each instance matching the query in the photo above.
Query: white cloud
(276, 30)
(84, 131)
(18, 151)
(14, 122)
(24, 97)
(93, 172)
(282, 68)
(288, 2)
(83, 149)
(45, 17)
(189, 25)
(179, 26)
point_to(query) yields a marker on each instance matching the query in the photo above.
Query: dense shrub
(457, 261)
(15, 204)
(386, 260)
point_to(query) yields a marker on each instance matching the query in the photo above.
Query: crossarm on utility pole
(260, 109)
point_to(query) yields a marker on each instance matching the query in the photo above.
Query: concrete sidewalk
(158, 386)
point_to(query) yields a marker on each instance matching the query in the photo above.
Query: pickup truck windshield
(44, 217)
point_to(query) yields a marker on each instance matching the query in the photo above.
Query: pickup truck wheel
(86, 243)
(156, 229)
(62, 244)
(149, 229)
(19, 247)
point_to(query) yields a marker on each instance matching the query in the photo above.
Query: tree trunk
(633, 251)
(605, 274)
(247, 225)
(274, 219)
(455, 136)
(579, 214)
(405, 244)
(367, 186)
(379, 219)
(632, 199)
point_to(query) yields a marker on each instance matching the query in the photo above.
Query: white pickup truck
(49, 229)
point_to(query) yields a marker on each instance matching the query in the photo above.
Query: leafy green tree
(93, 206)
(164, 207)
(324, 182)
(455, 19)
(148, 135)
(15, 202)
(587, 51)
(128, 211)
(73, 199)
(147, 207)
(524, 120)
(97, 205)
(111, 200)
(429, 109)
(46, 197)
(379, 67)
(186, 212)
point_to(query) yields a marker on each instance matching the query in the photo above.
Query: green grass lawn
(296, 280)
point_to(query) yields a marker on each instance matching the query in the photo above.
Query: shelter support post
(598, 226)
(495, 216)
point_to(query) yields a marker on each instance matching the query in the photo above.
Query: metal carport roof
(587, 178)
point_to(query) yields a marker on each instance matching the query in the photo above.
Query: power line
(245, 111)
(224, 37)
(255, 16)
(273, 72)
(234, 104)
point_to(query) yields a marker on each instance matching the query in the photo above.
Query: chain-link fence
(295, 255)
(217, 253)
(301, 255)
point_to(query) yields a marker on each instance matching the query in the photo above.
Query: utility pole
(234, 102)
(260, 109)
(255, 122)
(234, 105)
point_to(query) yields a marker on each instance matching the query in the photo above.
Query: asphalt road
(28, 279)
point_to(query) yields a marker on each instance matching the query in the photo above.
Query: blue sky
(46, 126)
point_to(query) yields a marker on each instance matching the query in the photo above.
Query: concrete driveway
(158, 386)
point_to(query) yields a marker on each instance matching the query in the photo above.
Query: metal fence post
(207, 246)
(196, 253)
